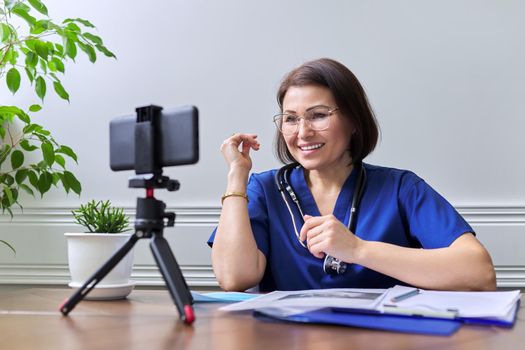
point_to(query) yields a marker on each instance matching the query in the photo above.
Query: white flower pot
(87, 252)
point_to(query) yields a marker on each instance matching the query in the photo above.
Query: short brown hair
(350, 98)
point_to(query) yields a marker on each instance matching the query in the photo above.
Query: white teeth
(311, 147)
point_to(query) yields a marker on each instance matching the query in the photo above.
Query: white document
(305, 300)
(464, 304)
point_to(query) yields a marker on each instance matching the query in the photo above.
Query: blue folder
(371, 320)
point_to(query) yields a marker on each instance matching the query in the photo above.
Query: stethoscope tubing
(281, 179)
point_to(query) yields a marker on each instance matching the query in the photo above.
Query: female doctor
(400, 232)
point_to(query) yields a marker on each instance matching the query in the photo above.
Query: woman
(402, 231)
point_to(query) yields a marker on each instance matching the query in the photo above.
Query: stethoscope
(331, 265)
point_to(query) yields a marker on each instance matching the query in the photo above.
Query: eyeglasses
(317, 118)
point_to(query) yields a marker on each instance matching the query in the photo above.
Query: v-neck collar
(342, 204)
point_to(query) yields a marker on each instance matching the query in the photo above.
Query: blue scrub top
(397, 207)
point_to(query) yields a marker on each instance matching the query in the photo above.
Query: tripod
(149, 223)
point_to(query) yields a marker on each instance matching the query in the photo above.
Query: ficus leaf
(48, 153)
(26, 146)
(33, 178)
(93, 38)
(59, 49)
(9, 195)
(73, 183)
(13, 79)
(105, 51)
(39, 6)
(22, 11)
(58, 64)
(60, 160)
(71, 48)
(31, 59)
(20, 176)
(27, 189)
(59, 89)
(90, 51)
(5, 32)
(30, 74)
(67, 151)
(79, 20)
(40, 87)
(35, 108)
(17, 159)
(41, 49)
(44, 182)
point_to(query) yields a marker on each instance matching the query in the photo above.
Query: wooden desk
(29, 319)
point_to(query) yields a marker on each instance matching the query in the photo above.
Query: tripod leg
(69, 304)
(173, 276)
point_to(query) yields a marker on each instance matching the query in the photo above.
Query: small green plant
(101, 217)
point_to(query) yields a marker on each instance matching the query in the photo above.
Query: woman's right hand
(239, 158)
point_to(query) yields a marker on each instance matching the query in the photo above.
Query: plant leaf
(59, 89)
(26, 146)
(39, 6)
(5, 32)
(73, 183)
(44, 182)
(58, 64)
(22, 11)
(35, 108)
(9, 195)
(41, 49)
(33, 179)
(48, 153)
(27, 189)
(90, 51)
(71, 48)
(67, 151)
(105, 51)
(30, 74)
(13, 79)
(79, 20)
(40, 88)
(20, 176)
(93, 38)
(31, 59)
(17, 159)
(7, 244)
(60, 160)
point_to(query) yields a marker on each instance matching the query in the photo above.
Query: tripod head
(154, 181)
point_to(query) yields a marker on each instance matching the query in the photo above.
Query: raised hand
(236, 150)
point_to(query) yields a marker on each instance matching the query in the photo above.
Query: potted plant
(35, 51)
(105, 234)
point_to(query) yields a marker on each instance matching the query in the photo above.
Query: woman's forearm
(465, 265)
(237, 262)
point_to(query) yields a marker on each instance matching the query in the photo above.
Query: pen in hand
(405, 295)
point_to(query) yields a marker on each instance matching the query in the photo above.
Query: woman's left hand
(327, 235)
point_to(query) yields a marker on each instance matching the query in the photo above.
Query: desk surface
(29, 319)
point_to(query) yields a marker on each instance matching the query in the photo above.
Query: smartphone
(176, 138)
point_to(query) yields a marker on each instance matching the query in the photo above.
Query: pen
(405, 295)
(394, 309)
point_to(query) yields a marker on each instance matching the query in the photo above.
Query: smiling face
(325, 150)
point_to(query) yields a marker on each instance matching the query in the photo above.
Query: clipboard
(370, 319)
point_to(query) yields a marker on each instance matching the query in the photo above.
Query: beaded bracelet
(234, 194)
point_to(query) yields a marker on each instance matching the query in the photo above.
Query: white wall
(444, 77)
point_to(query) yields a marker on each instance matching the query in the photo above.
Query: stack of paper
(436, 312)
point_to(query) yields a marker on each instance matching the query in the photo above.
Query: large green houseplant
(34, 51)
